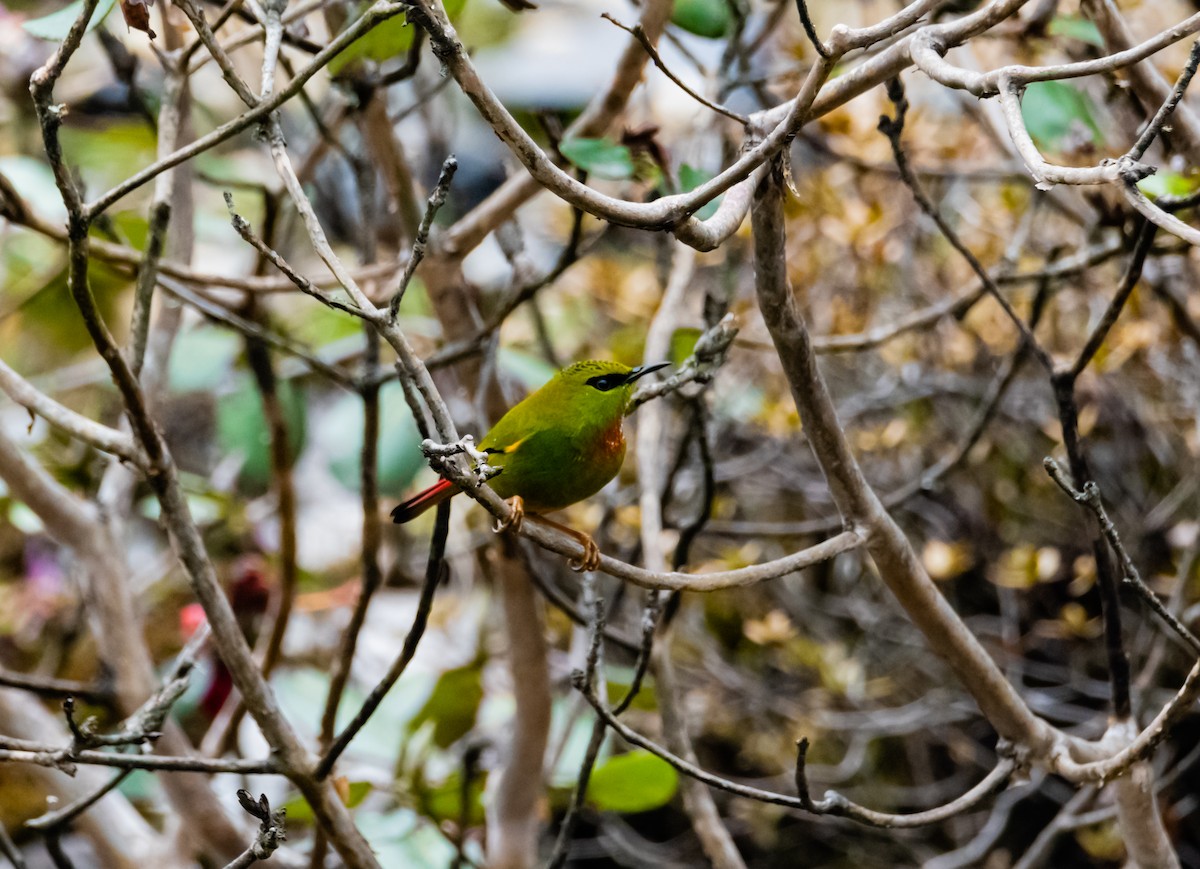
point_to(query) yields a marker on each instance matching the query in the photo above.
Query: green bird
(559, 445)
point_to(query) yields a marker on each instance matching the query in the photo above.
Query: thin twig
(893, 128)
(433, 572)
(1159, 121)
(809, 30)
(437, 198)
(640, 35)
(1089, 496)
(832, 804)
(1133, 273)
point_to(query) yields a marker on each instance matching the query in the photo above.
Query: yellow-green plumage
(559, 445)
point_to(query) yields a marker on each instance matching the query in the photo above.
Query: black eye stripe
(605, 382)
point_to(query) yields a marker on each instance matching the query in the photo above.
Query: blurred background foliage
(825, 654)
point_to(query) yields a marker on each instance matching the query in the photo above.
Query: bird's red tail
(422, 501)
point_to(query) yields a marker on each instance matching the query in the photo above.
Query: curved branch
(832, 804)
(103, 438)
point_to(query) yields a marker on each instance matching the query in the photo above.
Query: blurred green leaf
(620, 679)
(1054, 110)
(202, 358)
(298, 810)
(357, 793)
(1076, 27)
(633, 782)
(689, 179)
(399, 441)
(242, 429)
(106, 150)
(55, 26)
(387, 40)
(443, 801)
(708, 18)
(453, 705)
(599, 157)
(1167, 183)
(683, 342)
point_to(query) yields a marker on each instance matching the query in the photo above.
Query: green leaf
(443, 802)
(1076, 27)
(384, 41)
(689, 179)
(633, 782)
(452, 706)
(357, 793)
(389, 39)
(201, 358)
(599, 157)
(298, 810)
(56, 25)
(620, 680)
(242, 429)
(399, 441)
(1166, 183)
(708, 18)
(1054, 110)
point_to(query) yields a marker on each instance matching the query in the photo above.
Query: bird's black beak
(643, 370)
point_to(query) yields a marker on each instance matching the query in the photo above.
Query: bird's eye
(605, 382)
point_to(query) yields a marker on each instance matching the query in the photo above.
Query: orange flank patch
(612, 442)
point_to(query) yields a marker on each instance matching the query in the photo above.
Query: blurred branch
(220, 314)
(103, 438)
(46, 686)
(513, 815)
(9, 849)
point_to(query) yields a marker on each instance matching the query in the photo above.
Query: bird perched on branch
(559, 445)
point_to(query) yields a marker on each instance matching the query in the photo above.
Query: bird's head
(605, 386)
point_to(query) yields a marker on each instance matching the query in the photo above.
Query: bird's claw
(590, 559)
(513, 522)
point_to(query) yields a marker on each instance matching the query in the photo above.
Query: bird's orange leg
(590, 560)
(513, 522)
